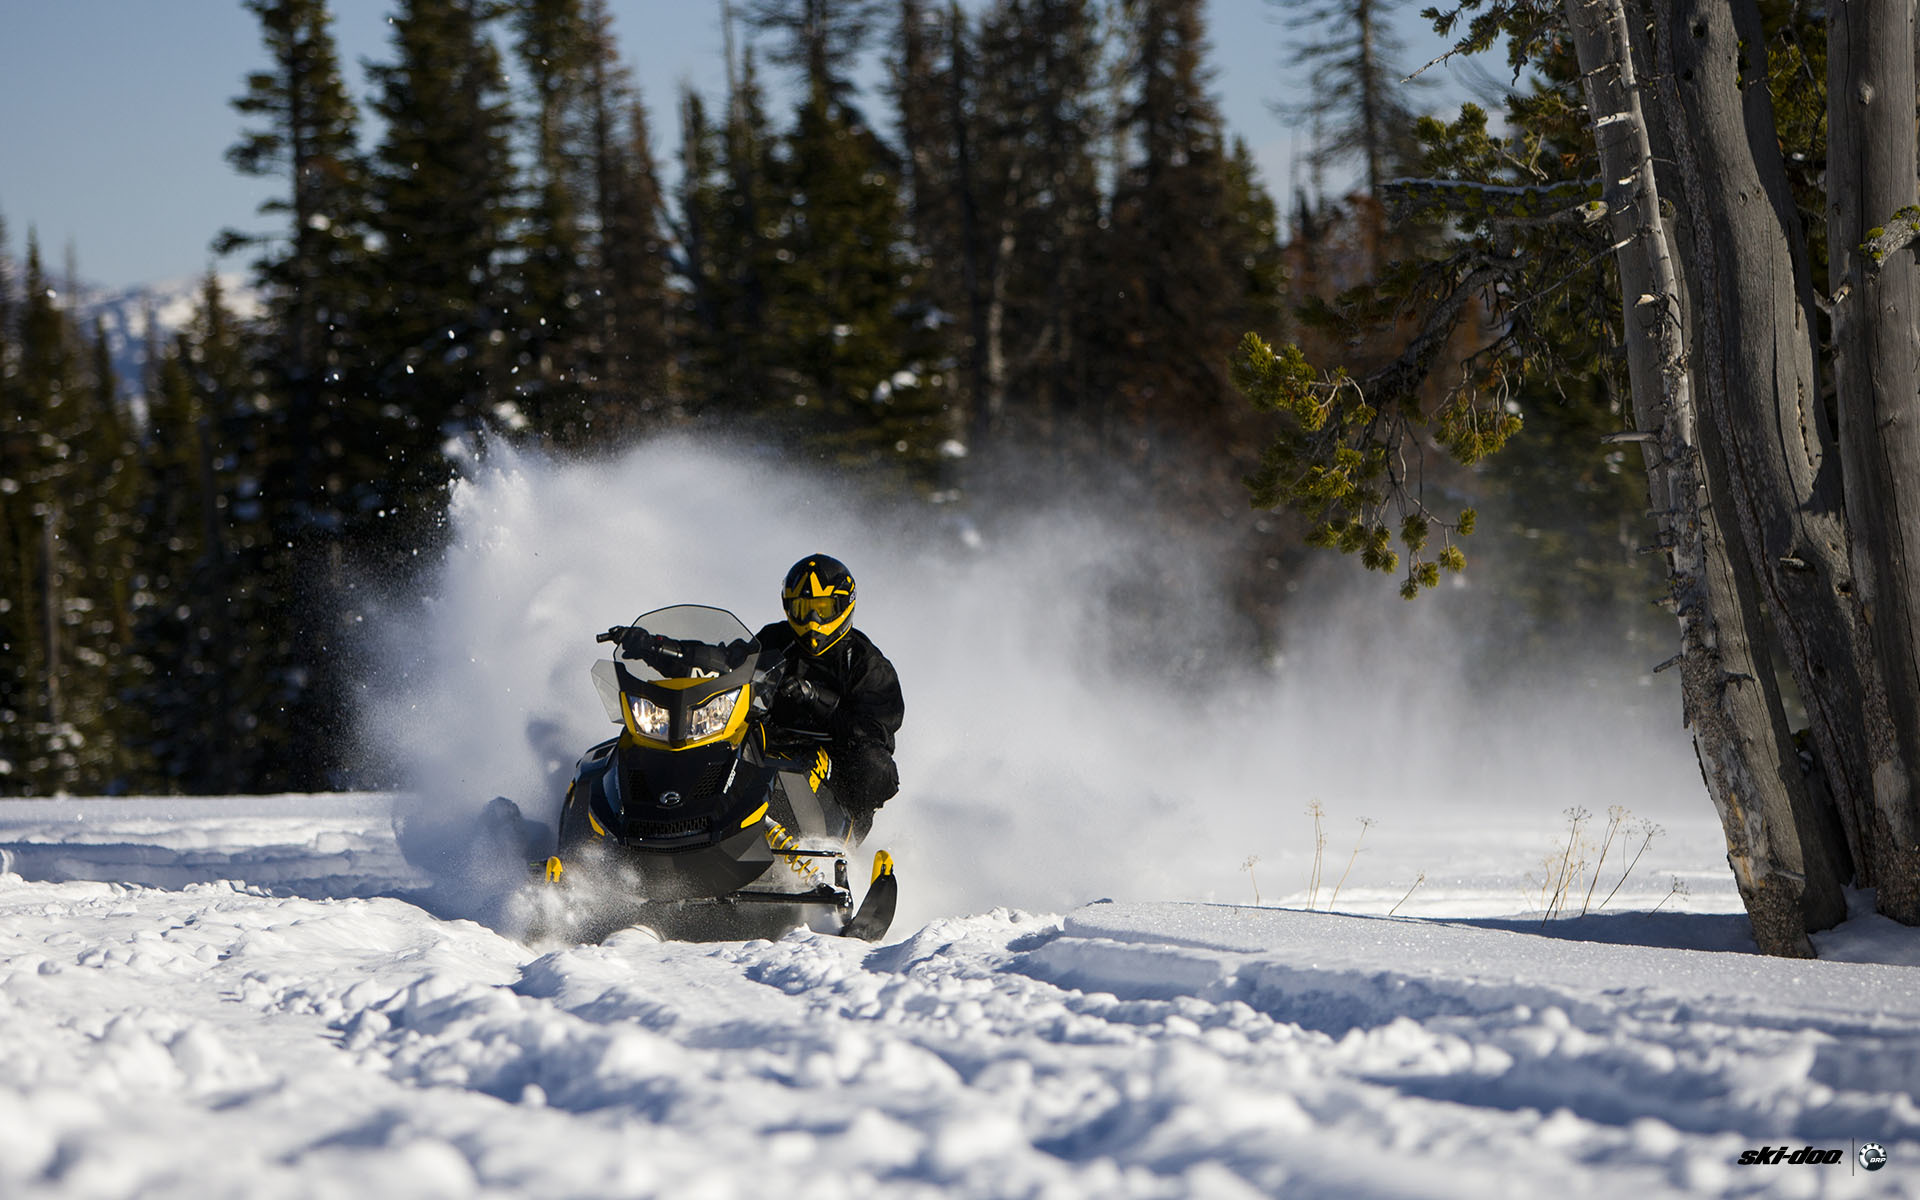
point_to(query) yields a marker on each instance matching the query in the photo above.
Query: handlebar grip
(611, 635)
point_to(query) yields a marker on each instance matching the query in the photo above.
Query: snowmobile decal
(822, 770)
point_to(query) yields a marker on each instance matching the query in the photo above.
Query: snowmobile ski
(876, 911)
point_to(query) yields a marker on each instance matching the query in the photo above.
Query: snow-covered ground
(1104, 980)
(276, 1008)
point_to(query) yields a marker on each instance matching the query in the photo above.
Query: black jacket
(850, 693)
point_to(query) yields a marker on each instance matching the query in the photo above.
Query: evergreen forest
(1029, 255)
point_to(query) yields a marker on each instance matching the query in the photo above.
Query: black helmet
(818, 597)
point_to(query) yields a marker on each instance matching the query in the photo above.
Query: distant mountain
(124, 315)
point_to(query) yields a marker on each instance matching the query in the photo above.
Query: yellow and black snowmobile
(699, 820)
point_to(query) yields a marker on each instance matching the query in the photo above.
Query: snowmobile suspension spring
(779, 840)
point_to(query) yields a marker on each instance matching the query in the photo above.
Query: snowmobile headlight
(649, 719)
(713, 716)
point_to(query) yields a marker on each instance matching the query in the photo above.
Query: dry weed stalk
(1615, 815)
(1319, 848)
(1564, 877)
(1420, 879)
(1365, 824)
(1679, 888)
(1648, 831)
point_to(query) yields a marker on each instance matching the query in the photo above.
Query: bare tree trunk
(1760, 393)
(1371, 131)
(996, 319)
(214, 552)
(975, 267)
(1734, 731)
(1871, 166)
(50, 612)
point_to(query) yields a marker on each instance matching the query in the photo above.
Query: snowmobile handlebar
(665, 653)
(634, 639)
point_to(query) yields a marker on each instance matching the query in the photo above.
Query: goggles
(817, 610)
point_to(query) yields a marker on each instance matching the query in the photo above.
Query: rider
(829, 678)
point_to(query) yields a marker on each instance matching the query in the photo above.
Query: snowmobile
(699, 820)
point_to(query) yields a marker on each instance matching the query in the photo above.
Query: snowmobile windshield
(714, 627)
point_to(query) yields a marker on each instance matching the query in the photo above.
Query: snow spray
(1045, 762)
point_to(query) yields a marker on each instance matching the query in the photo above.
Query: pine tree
(442, 195)
(702, 210)
(730, 258)
(1040, 122)
(224, 692)
(851, 357)
(626, 303)
(1172, 289)
(550, 274)
(64, 488)
(934, 85)
(19, 682)
(922, 87)
(1356, 95)
(1252, 242)
(318, 444)
(8, 299)
(103, 495)
(588, 271)
(42, 379)
(819, 40)
(634, 377)
(178, 715)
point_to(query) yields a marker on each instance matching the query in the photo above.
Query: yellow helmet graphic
(818, 597)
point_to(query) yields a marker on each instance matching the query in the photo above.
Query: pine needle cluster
(1334, 462)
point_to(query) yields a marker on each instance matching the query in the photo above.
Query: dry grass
(1576, 866)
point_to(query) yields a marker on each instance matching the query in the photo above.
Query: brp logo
(1872, 1157)
(669, 799)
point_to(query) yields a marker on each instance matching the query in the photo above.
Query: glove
(808, 695)
(661, 653)
(634, 639)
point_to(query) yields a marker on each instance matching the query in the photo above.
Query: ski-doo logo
(1767, 1156)
(669, 799)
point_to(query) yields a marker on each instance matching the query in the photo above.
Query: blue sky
(115, 115)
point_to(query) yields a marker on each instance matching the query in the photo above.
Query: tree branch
(1567, 203)
(1398, 379)
(1882, 243)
